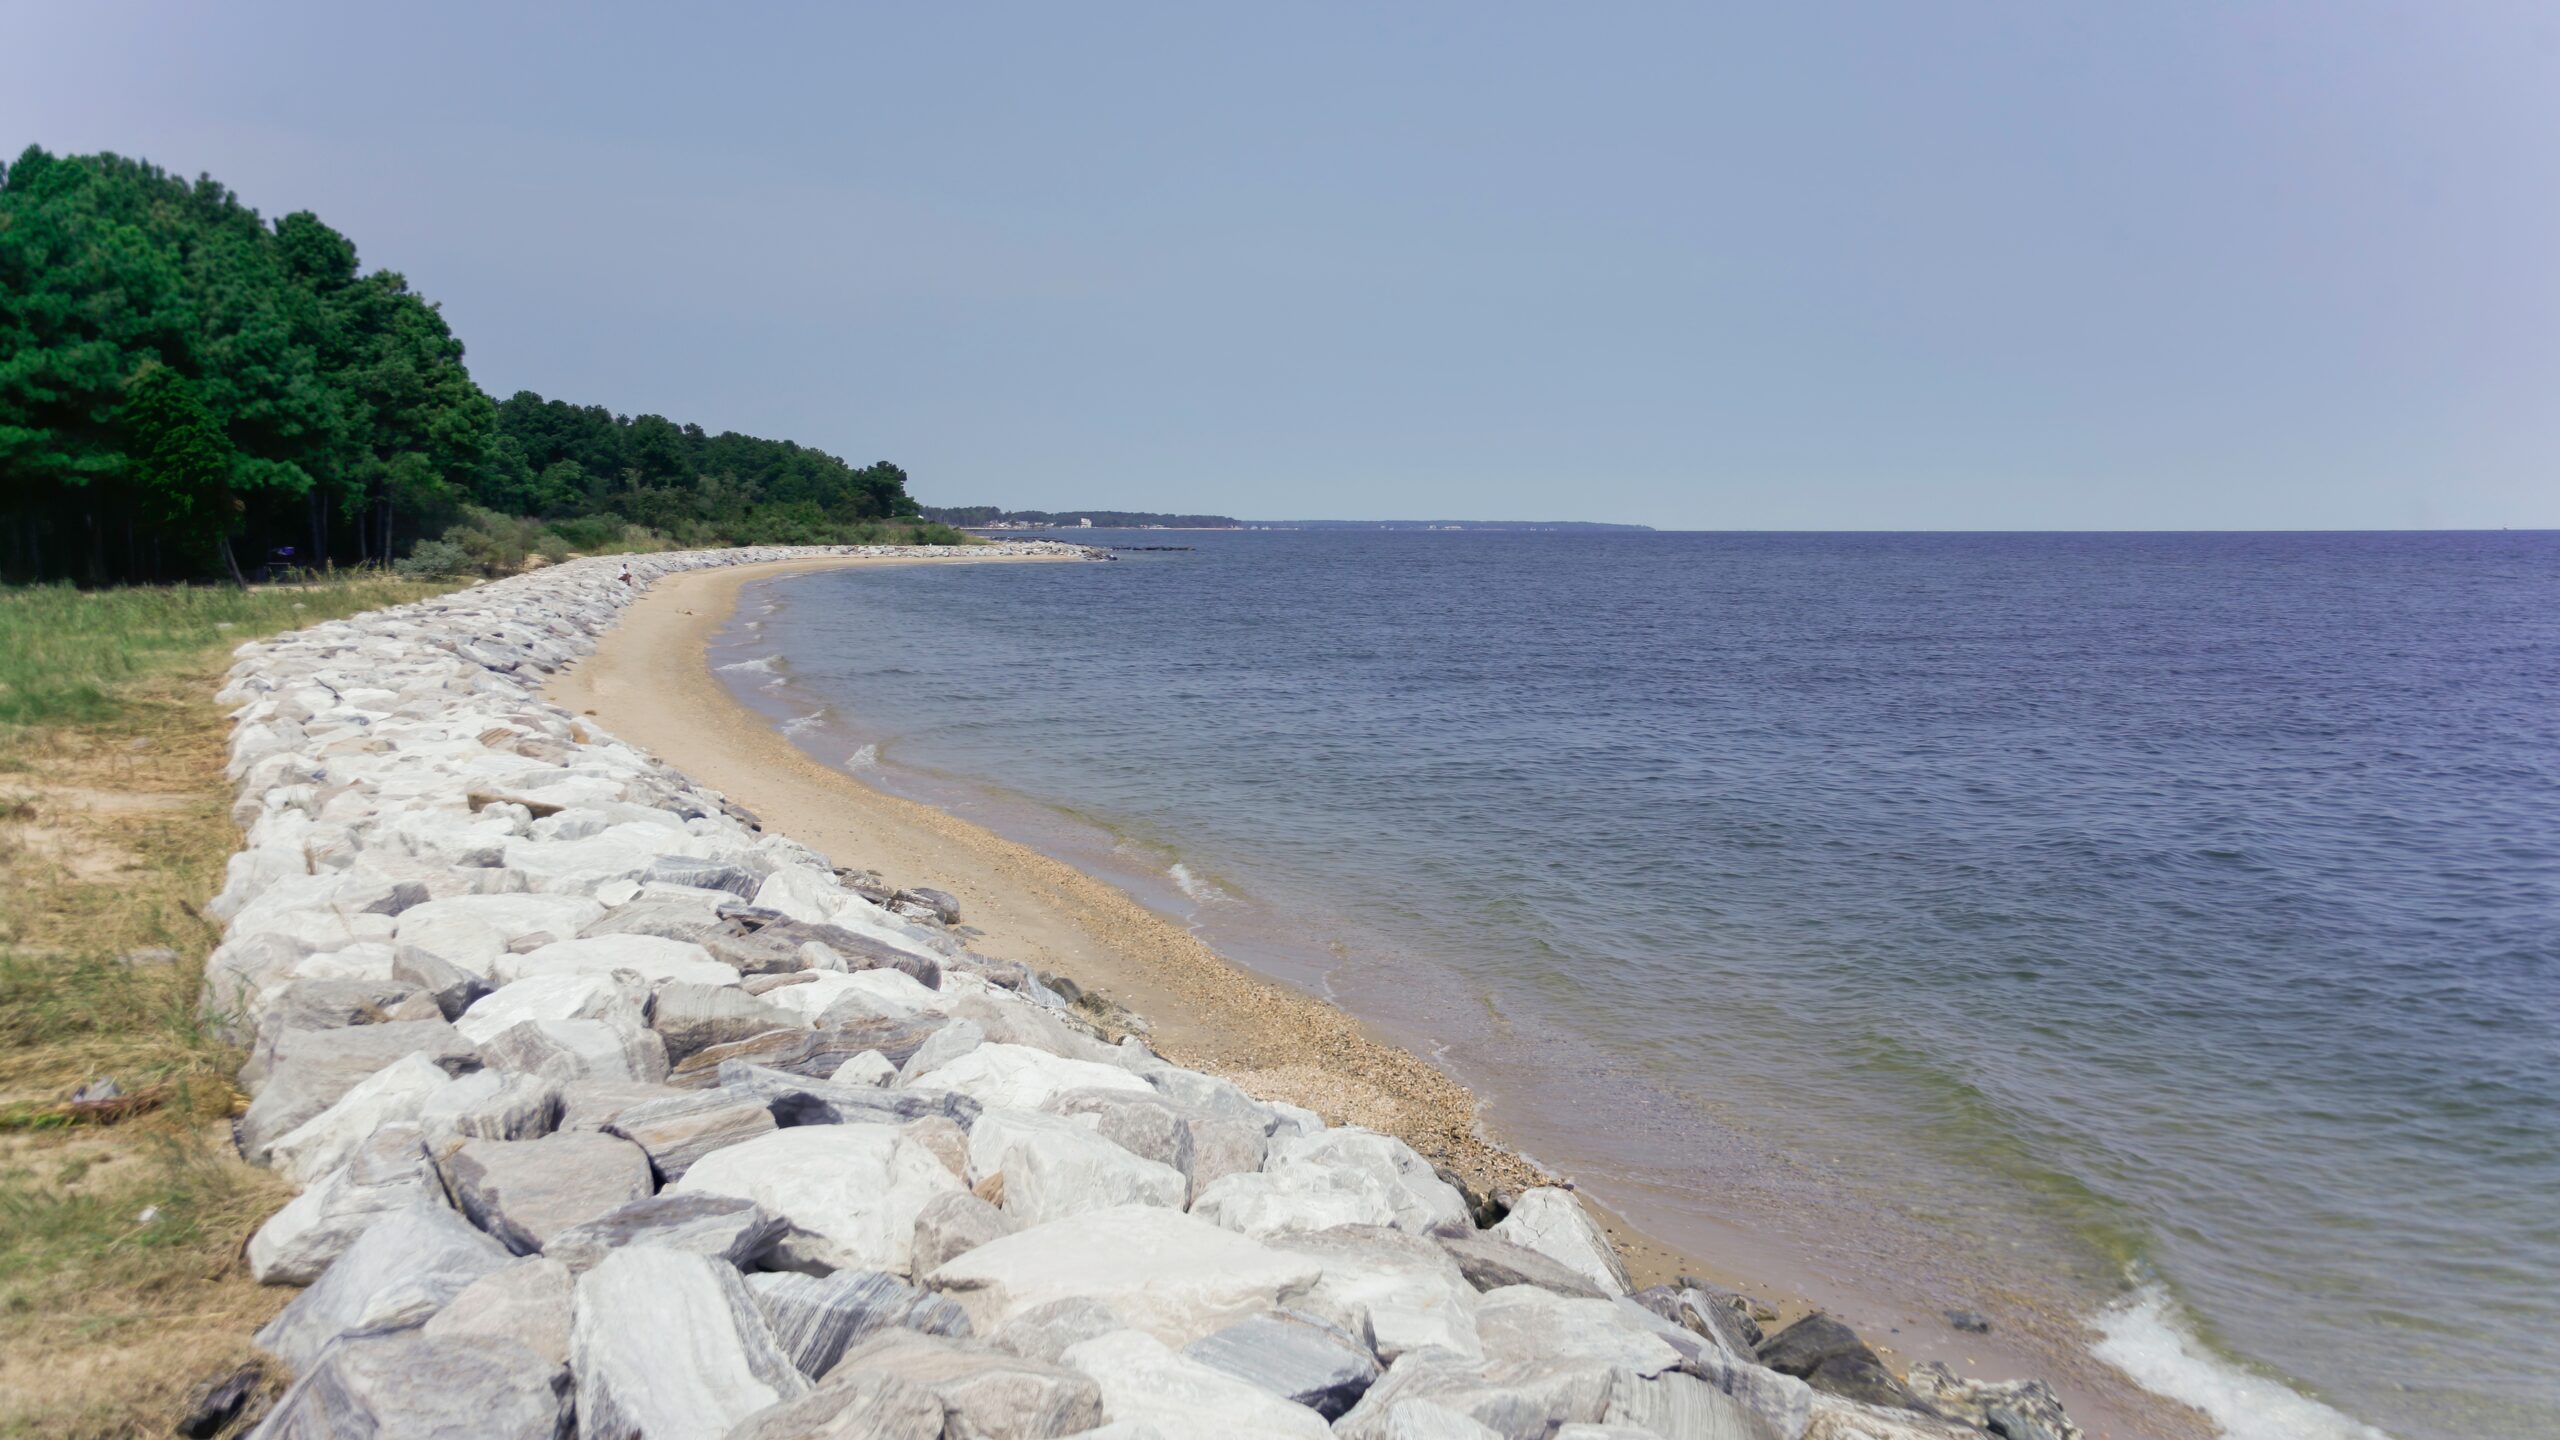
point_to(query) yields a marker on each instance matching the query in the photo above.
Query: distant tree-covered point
(988, 516)
(188, 390)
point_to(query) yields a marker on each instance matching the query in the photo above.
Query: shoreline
(650, 682)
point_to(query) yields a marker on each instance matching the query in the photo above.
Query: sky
(1802, 266)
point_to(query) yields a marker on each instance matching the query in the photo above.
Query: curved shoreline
(650, 682)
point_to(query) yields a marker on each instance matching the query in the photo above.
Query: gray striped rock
(490, 1105)
(682, 1128)
(1046, 1332)
(527, 1302)
(453, 988)
(1490, 1263)
(412, 1386)
(1677, 1406)
(525, 1192)
(799, 1100)
(566, 1050)
(317, 1005)
(720, 1226)
(798, 1051)
(1295, 1356)
(984, 1391)
(691, 1017)
(945, 1045)
(400, 1271)
(1145, 1382)
(313, 1069)
(816, 1318)
(877, 1407)
(953, 1225)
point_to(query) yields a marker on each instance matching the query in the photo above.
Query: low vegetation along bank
(122, 1211)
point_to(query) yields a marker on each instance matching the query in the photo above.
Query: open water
(2165, 928)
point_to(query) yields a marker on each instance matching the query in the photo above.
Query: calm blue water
(2165, 923)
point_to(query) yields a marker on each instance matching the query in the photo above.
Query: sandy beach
(649, 682)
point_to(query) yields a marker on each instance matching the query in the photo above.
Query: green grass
(119, 1237)
(66, 654)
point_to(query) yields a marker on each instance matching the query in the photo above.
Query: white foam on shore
(799, 723)
(762, 664)
(863, 759)
(1201, 891)
(2145, 1337)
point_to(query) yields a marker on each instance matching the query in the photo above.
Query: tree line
(187, 390)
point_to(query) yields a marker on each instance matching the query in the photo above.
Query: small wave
(2146, 1339)
(863, 759)
(1192, 885)
(799, 723)
(762, 664)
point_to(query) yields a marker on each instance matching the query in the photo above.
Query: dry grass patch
(120, 1226)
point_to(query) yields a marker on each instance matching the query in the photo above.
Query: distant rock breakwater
(616, 1116)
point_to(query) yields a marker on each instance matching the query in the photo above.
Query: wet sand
(650, 682)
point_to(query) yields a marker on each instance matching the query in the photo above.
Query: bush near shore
(490, 543)
(120, 1217)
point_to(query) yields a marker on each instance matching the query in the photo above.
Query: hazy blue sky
(1800, 266)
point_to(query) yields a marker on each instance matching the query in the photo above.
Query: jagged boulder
(679, 1130)
(1160, 1271)
(400, 1271)
(850, 1193)
(527, 1302)
(1554, 1224)
(669, 1344)
(525, 1192)
(1294, 1356)
(414, 1386)
(720, 1226)
(816, 1318)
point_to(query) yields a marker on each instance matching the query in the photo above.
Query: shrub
(435, 560)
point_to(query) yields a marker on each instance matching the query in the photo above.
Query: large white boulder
(668, 1344)
(1159, 1270)
(1400, 1292)
(1017, 1077)
(1146, 1382)
(617, 996)
(528, 1302)
(399, 1272)
(1054, 1167)
(653, 958)
(850, 1193)
(892, 992)
(392, 1095)
(510, 917)
(1553, 1223)
(571, 1050)
(390, 1171)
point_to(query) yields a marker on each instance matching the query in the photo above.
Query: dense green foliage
(184, 387)
(570, 460)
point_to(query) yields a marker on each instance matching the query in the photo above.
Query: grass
(119, 1277)
(66, 654)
